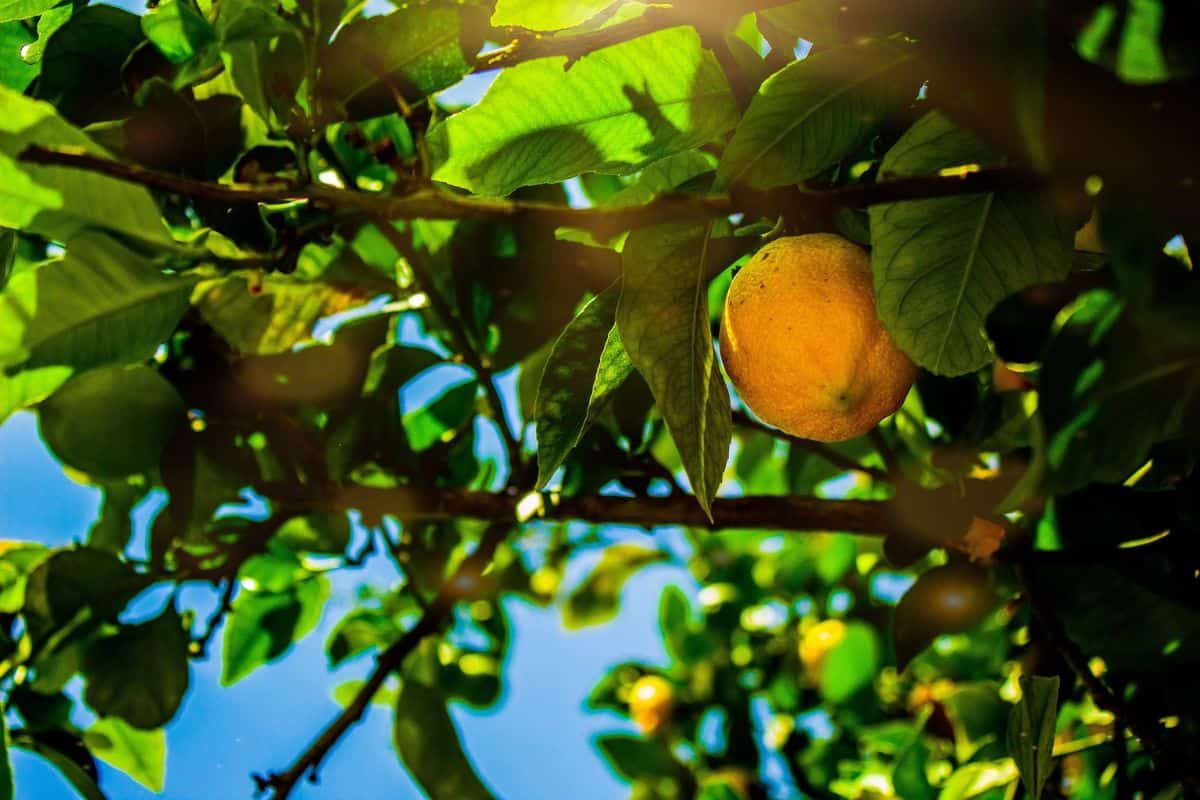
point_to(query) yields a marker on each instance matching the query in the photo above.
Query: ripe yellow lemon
(651, 701)
(816, 643)
(803, 344)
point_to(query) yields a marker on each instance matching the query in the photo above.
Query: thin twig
(463, 583)
(824, 451)
(462, 339)
(890, 462)
(224, 606)
(1125, 714)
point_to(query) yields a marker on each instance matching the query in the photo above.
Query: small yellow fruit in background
(651, 701)
(803, 344)
(816, 644)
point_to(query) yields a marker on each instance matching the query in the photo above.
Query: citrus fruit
(817, 642)
(650, 703)
(802, 342)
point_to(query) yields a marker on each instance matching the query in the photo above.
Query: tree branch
(868, 517)
(526, 47)
(462, 584)
(462, 340)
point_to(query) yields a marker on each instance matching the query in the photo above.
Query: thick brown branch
(993, 179)
(868, 517)
(424, 203)
(528, 46)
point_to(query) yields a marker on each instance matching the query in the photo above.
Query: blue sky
(221, 735)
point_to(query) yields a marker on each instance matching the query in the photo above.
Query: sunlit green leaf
(444, 415)
(264, 625)
(177, 29)
(142, 755)
(588, 363)
(597, 599)
(851, 664)
(663, 322)
(941, 265)
(612, 111)
(813, 113)
(546, 15)
(24, 9)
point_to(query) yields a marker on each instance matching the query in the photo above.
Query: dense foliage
(235, 232)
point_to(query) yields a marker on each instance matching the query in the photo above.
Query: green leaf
(83, 81)
(113, 527)
(77, 582)
(98, 305)
(428, 744)
(673, 617)
(178, 30)
(941, 265)
(813, 113)
(142, 755)
(16, 562)
(851, 664)
(546, 15)
(141, 413)
(634, 758)
(81, 781)
(140, 674)
(613, 111)
(974, 779)
(1115, 382)
(264, 625)
(586, 365)
(448, 413)
(420, 50)
(6, 774)
(58, 202)
(24, 9)
(812, 20)
(15, 72)
(663, 322)
(597, 599)
(316, 533)
(28, 386)
(357, 632)
(1031, 731)
(908, 776)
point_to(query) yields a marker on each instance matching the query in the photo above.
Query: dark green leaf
(585, 367)
(909, 776)
(112, 529)
(264, 625)
(1031, 731)
(82, 780)
(359, 631)
(142, 755)
(140, 674)
(428, 744)
(614, 110)
(141, 413)
(82, 80)
(446, 414)
(419, 50)
(316, 533)
(941, 265)
(813, 113)
(637, 759)
(597, 598)
(74, 581)
(663, 322)
(673, 621)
